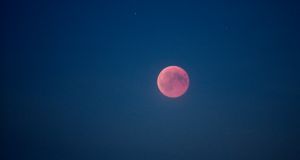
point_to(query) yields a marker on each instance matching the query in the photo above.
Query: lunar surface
(173, 81)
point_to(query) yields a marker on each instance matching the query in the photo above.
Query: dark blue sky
(79, 80)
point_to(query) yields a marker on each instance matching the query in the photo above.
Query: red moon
(173, 81)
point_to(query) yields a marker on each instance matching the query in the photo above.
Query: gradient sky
(79, 80)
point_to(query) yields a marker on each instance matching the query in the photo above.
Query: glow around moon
(173, 81)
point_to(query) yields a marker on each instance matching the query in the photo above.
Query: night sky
(78, 80)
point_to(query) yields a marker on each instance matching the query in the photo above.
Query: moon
(173, 81)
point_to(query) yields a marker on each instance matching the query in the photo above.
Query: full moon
(173, 81)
